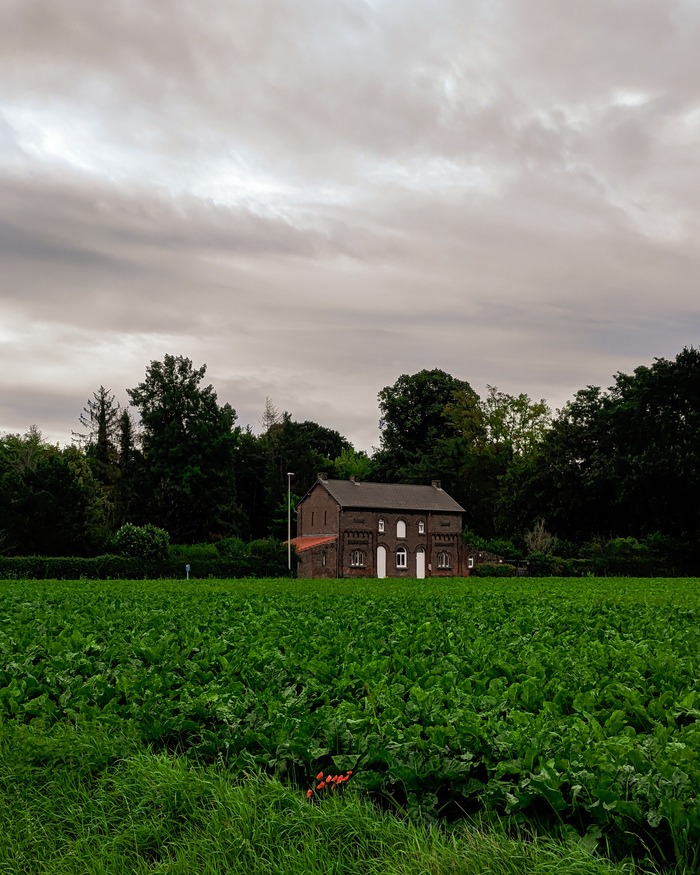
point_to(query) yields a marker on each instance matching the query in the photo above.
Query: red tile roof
(306, 542)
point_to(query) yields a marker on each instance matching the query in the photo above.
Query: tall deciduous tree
(417, 412)
(622, 462)
(515, 423)
(189, 443)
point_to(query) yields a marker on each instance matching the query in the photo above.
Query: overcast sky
(316, 196)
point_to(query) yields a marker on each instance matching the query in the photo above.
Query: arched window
(443, 560)
(401, 558)
(421, 528)
(381, 527)
(401, 529)
(357, 559)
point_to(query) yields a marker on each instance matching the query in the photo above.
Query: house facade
(350, 528)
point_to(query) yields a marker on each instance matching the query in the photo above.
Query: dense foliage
(622, 462)
(563, 705)
(612, 469)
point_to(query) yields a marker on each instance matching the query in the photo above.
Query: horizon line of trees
(621, 463)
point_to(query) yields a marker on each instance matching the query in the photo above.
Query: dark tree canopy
(619, 463)
(189, 444)
(50, 504)
(415, 416)
(304, 448)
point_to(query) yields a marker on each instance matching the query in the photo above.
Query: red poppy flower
(308, 794)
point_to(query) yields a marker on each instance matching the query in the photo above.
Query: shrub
(230, 547)
(141, 542)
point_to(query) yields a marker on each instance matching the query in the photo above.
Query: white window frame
(381, 527)
(443, 560)
(400, 528)
(357, 559)
(421, 527)
(401, 557)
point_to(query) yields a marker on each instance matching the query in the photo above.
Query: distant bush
(618, 557)
(499, 546)
(503, 569)
(230, 547)
(544, 565)
(188, 553)
(141, 542)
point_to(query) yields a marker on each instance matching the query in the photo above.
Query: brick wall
(318, 515)
(319, 561)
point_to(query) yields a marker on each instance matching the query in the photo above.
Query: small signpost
(187, 569)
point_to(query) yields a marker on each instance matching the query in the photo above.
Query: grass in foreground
(157, 813)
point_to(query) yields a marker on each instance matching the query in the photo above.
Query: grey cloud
(314, 198)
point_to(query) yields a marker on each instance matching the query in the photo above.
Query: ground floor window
(401, 558)
(443, 560)
(357, 559)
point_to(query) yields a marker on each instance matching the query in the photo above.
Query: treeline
(613, 474)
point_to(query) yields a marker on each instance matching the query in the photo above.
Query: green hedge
(503, 569)
(544, 565)
(269, 560)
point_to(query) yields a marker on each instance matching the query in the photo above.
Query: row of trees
(617, 463)
(180, 463)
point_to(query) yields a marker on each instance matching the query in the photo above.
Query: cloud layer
(315, 197)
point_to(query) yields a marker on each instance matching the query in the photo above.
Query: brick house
(350, 528)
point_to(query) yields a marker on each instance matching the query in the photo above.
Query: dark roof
(390, 496)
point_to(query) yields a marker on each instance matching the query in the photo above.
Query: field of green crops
(560, 704)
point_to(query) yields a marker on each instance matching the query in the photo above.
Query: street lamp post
(289, 519)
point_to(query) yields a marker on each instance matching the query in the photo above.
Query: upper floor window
(421, 528)
(443, 560)
(381, 527)
(401, 558)
(401, 529)
(357, 559)
(471, 562)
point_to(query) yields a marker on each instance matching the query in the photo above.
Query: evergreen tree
(100, 419)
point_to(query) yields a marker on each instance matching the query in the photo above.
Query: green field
(568, 707)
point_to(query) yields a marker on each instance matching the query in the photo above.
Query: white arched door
(381, 561)
(420, 564)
